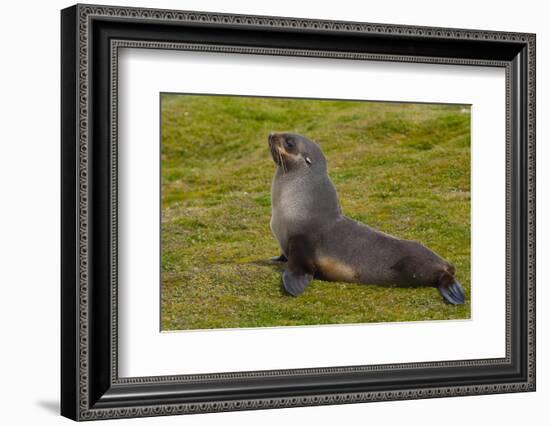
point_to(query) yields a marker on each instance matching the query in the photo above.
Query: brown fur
(331, 269)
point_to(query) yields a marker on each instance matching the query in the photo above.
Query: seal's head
(293, 152)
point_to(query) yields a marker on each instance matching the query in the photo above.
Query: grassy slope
(401, 168)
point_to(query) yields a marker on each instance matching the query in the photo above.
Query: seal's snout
(275, 147)
(271, 140)
(275, 138)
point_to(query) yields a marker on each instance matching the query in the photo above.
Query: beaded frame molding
(91, 39)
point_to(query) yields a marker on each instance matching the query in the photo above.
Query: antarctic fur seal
(317, 240)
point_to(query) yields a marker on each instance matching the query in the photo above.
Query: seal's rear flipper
(452, 292)
(281, 258)
(295, 284)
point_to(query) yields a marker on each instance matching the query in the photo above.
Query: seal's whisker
(282, 162)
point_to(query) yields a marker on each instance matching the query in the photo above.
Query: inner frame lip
(186, 46)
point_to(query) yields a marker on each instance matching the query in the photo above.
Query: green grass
(401, 168)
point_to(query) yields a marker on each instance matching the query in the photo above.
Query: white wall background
(29, 211)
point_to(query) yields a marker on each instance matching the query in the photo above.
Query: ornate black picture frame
(91, 36)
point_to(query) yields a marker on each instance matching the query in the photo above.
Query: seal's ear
(308, 160)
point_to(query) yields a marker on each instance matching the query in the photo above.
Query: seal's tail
(450, 289)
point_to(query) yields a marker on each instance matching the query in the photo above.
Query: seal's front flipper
(295, 284)
(452, 292)
(281, 258)
(300, 269)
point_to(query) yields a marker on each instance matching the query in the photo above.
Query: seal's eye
(289, 143)
(308, 160)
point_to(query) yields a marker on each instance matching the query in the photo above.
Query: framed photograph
(263, 212)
